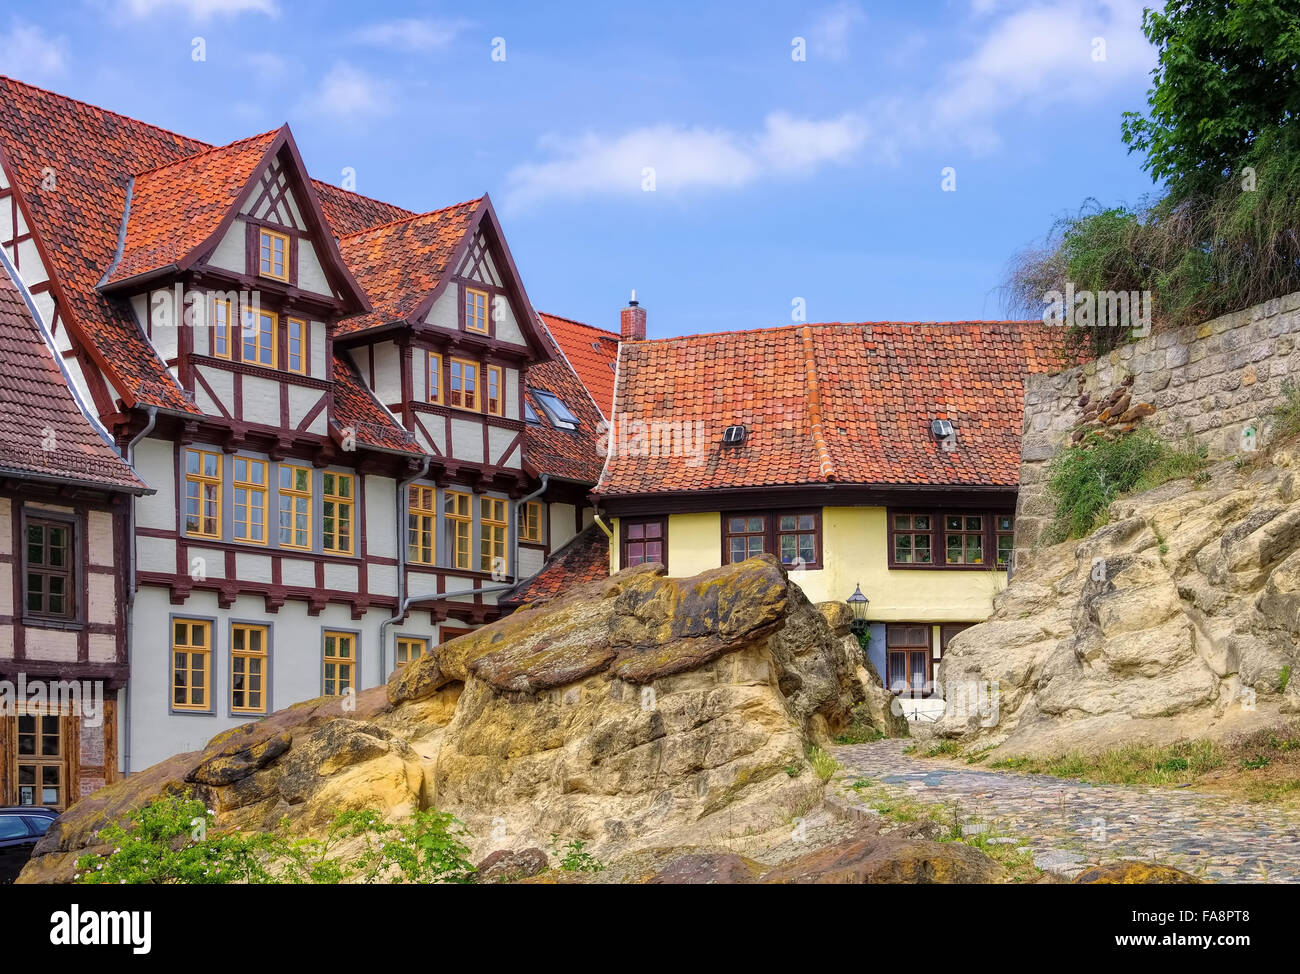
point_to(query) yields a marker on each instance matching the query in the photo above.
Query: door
(41, 761)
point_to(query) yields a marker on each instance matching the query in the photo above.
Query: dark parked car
(21, 827)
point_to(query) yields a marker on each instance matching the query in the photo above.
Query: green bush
(168, 841)
(573, 857)
(1084, 479)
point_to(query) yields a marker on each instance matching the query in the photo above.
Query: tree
(1226, 88)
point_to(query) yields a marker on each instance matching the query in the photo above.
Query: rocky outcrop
(632, 711)
(1130, 872)
(1179, 618)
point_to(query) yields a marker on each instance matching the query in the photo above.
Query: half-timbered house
(359, 434)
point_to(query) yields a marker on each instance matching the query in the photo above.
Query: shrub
(823, 764)
(573, 858)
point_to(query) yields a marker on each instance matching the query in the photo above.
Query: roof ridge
(361, 196)
(827, 466)
(772, 329)
(210, 150)
(410, 219)
(101, 108)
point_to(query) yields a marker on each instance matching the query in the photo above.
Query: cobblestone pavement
(1071, 825)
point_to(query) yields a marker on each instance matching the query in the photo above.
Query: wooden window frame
(458, 522)
(494, 534)
(452, 392)
(201, 480)
(255, 331)
(913, 533)
(407, 643)
(938, 539)
(40, 760)
(189, 649)
(998, 535)
(293, 495)
(70, 572)
(215, 335)
(476, 294)
(247, 655)
(250, 488)
(527, 523)
(623, 541)
(341, 503)
(489, 371)
(772, 533)
(907, 650)
(434, 373)
(262, 233)
(349, 661)
(304, 343)
(421, 520)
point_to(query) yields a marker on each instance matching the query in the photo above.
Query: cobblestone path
(1071, 825)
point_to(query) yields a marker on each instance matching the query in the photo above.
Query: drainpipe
(500, 587)
(403, 602)
(152, 413)
(600, 523)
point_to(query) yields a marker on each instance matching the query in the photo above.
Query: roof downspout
(403, 602)
(826, 467)
(131, 587)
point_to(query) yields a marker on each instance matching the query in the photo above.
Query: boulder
(890, 858)
(1130, 872)
(507, 866)
(633, 711)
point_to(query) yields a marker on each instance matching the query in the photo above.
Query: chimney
(632, 321)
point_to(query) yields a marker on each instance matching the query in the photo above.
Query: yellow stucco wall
(855, 540)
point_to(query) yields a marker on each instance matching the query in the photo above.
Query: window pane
(922, 548)
(921, 522)
(974, 549)
(903, 548)
(954, 522)
(954, 549)
(902, 522)
(974, 523)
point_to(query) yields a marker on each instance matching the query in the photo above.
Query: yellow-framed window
(409, 650)
(492, 374)
(273, 254)
(421, 524)
(222, 319)
(492, 536)
(338, 498)
(530, 521)
(435, 377)
(462, 384)
(297, 345)
(250, 500)
(295, 506)
(476, 310)
(260, 338)
(339, 666)
(191, 663)
(248, 669)
(202, 494)
(459, 517)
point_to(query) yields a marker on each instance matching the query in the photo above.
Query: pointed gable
(174, 209)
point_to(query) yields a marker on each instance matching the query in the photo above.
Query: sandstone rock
(889, 859)
(507, 865)
(629, 712)
(1159, 626)
(701, 868)
(1131, 872)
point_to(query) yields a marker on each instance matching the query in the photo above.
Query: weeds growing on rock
(823, 765)
(573, 857)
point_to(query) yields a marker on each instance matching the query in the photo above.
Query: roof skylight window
(530, 414)
(555, 409)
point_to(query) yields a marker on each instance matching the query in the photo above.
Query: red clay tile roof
(585, 558)
(91, 154)
(830, 403)
(567, 454)
(350, 212)
(44, 431)
(356, 408)
(593, 353)
(397, 264)
(177, 207)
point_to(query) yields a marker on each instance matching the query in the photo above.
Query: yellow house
(879, 456)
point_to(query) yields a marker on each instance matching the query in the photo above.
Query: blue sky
(774, 178)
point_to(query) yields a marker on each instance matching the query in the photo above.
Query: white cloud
(347, 92)
(829, 35)
(1037, 57)
(412, 34)
(684, 158)
(202, 9)
(31, 54)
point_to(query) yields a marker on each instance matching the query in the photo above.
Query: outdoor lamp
(858, 603)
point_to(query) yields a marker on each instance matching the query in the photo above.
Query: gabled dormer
(450, 337)
(235, 277)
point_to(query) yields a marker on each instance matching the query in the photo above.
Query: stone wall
(1215, 383)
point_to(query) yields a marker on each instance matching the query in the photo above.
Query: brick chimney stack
(632, 321)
